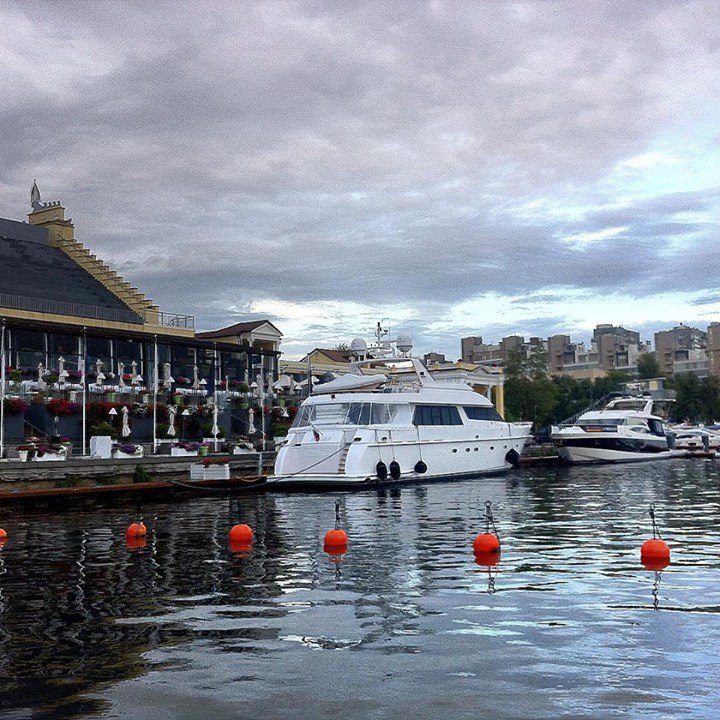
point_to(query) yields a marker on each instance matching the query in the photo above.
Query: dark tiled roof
(236, 329)
(30, 268)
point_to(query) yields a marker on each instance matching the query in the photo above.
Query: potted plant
(183, 449)
(25, 451)
(203, 449)
(242, 448)
(127, 450)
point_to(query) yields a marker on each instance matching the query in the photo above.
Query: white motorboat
(614, 434)
(367, 429)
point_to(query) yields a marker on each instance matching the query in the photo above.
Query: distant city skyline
(450, 168)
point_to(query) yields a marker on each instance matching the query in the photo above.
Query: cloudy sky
(452, 168)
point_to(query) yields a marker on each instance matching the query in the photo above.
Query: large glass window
(482, 413)
(29, 348)
(436, 415)
(346, 414)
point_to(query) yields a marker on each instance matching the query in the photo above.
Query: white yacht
(368, 429)
(621, 432)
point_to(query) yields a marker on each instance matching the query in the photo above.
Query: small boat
(370, 428)
(614, 434)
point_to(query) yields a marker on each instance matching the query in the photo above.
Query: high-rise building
(680, 347)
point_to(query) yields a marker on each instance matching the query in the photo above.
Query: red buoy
(335, 542)
(240, 534)
(136, 530)
(486, 543)
(655, 549)
(3, 534)
(655, 553)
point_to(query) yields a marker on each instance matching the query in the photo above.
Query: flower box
(120, 454)
(200, 471)
(237, 450)
(50, 456)
(182, 452)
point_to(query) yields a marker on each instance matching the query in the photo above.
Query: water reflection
(91, 625)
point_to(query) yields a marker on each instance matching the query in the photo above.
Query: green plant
(141, 475)
(102, 428)
(69, 481)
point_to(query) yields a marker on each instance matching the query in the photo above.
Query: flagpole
(155, 392)
(2, 392)
(83, 379)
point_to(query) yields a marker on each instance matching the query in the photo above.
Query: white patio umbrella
(215, 429)
(40, 382)
(251, 421)
(99, 377)
(121, 371)
(125, 422)
(260, 385)
(62, 372)
(196, 378)
(168, 379)
(172, 410)
(283, 383)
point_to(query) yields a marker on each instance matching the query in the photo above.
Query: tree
(648, 366)
(688, 398)
(342, 346)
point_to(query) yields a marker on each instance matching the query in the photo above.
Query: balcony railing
(96, 312)
(155, 317)
(60, 307)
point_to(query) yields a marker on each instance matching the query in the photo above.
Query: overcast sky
(479, 168)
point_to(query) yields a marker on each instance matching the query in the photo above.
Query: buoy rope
(655, 529)
(206, 488)
(337, 514)
(490, 520)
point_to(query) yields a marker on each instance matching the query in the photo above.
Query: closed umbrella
(121, 372)
(196, 378)
(171, 421)
(215, 429)
(125, 422)
(251, 422)
(168, 379)
(40, 382)
(62, 372)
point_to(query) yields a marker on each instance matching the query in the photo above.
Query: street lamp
(185, 414)
(112, 412)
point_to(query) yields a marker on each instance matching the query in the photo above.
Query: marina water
(406, 624)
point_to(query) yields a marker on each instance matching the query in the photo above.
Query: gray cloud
(375, 153)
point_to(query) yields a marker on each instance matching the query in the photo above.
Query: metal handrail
(60, 307)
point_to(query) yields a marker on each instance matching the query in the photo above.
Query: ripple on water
(567, 624)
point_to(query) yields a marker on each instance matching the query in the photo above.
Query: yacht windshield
(346, 414)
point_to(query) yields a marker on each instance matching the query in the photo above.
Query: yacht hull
(339, 462)
(580, 455)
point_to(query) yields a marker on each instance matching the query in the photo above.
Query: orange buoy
(136, 530)
(488, 559)
(3, 534)
(486, 543)
(335, 542)
(655, 549)
(655, 552)
(240, 534)
(135, 542)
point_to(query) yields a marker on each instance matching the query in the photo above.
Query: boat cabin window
(657, 427)
(436, 415)
(346, 414)
(482, 413)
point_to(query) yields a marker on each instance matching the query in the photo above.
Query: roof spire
(35, 197)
